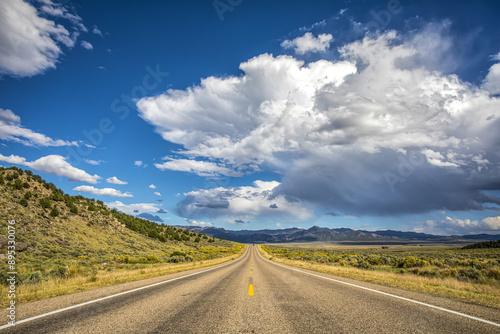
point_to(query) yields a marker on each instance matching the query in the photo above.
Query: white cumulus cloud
(31, 43)
(449, 226)
(102, 192)
(242, 202)
(97, 31)
(12, 130)
(133, 209)
(115, 180)
(86, 45)
(492, 80)
(244, 120)
(195, 223)
(202, 168)
(93, 162)
(309, 43)
(53, 165)
(337, 129)
(152, 186)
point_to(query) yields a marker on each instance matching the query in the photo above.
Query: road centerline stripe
(250, 289)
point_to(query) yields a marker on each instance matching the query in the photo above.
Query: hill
(58, 235)
(484, 244)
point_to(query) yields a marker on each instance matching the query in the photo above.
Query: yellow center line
(250, 290)
(251, 271)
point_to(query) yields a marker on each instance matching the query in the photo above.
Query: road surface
(255, 295)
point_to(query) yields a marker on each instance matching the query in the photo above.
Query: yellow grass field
(484, 291)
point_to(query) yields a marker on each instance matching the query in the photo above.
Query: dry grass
(62, 286)
(481, 294)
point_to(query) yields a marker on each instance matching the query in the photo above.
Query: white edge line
(385, 293)
(119, 294)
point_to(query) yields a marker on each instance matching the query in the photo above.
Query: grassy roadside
(487, 295)
(102, 278)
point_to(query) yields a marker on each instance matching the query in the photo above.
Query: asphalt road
(254, 295)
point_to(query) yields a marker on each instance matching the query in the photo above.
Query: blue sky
(260, 114)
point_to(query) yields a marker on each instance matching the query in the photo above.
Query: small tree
(23, 202)
(73, 210)
(45, 203)
(54, 212)
(57, 196)
(18, 185)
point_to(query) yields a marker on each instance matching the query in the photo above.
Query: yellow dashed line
(251, 271)
(250, 290)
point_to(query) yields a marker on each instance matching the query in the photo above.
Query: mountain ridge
(316, 233)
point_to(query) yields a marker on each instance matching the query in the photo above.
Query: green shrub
(152, 258)
(93, 278)
(124, 258)
(73, 209)
(449, 273)
(60, 271)
(57, 196)
(4, 269)
(177, 253)
(45, 203)
(18, 185)
(411, 262)
(54, 212)
(363, 265)
(23, 202)
(176, 259)
(374, 261)
(428, 273)
(493, 273)
(470, 273)
(35, 277)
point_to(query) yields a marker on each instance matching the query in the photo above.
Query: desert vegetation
(71, 243)
(469, 273)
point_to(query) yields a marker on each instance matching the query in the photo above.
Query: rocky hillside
(53, 230)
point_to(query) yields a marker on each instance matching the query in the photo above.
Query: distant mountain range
(325, 234)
